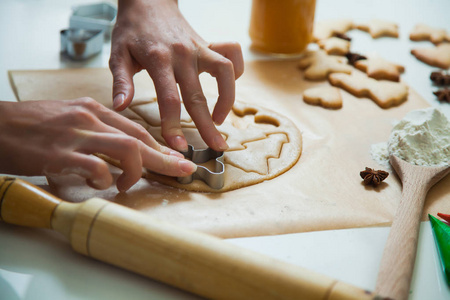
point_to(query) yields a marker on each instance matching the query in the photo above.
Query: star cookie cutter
(215, 179)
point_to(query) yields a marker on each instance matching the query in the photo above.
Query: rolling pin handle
(24, 204)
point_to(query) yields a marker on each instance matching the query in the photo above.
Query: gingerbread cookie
(379, 68)
(262, 144)
(326, 29)
(379, 28)
(438, 56)
(384, 93)
(319, 64)
(334, 46)
(423, 32)
(325, 96)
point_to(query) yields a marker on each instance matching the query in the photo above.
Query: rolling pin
(186, 259)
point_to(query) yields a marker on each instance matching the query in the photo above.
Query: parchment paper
(322, 191)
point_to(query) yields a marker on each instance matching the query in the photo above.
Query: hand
(59, 137)
(153, 35)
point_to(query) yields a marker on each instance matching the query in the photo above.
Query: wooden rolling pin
(189, 260)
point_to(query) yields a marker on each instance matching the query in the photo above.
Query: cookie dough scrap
(379, 28)
(262, 144)
(326, 29)
(318, 64)
(334, 46)
(438, 56)
(423, 32)
(379, 68)
(325, 96)
(384, 93)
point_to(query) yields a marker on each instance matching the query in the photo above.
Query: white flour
(421, 138)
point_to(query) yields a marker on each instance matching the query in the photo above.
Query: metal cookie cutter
(215, 179)
(97, 16)
(81, 44)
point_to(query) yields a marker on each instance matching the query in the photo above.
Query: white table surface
(39, 264)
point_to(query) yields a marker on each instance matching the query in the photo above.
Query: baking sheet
(322, 191)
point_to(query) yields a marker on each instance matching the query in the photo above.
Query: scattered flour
(421, 138)
(380, 153)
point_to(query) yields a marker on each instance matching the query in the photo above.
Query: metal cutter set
(89, 26)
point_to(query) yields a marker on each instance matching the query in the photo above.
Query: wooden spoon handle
(24, 204)
(397, 263)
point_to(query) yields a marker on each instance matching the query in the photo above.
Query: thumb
(122, 70)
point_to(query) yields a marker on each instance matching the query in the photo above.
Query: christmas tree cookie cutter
(214, 178)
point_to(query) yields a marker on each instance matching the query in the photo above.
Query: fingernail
(220, 143)
(119, 99)
(180, 143)
(187, 166)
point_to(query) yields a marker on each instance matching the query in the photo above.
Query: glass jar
(281, 27)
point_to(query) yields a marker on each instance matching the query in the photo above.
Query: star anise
(354, 57)
(342, 36)
(440, 78)
(443, 95)
(374, 177)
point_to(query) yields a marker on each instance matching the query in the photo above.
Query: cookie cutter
(98, 16)
(214, 179)
(80, 44)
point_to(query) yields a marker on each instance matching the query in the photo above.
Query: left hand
(153, 35)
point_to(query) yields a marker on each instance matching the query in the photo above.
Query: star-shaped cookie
(326, 29)
(423, 32)
(378, 28)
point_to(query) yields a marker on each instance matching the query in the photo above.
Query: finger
(123, 70)
(124, 148)
(169, 103)
(167, 164)
(222, 69)
(115, 123)
(93, 169)
(195, 103)
(233, 52)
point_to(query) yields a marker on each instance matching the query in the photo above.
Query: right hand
(59, 137)
(153, 35)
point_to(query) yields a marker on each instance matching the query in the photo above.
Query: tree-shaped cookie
(384, 93)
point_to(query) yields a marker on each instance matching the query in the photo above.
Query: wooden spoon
(397, 263)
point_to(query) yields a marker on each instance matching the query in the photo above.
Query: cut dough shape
(249, 159)
(384, 93)
(326, 96)
(262, 144)
(379, 68)
(438, 56)
(379, 28)
(423, 32)
(326, 29)
(318, 65)
(334, 46)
